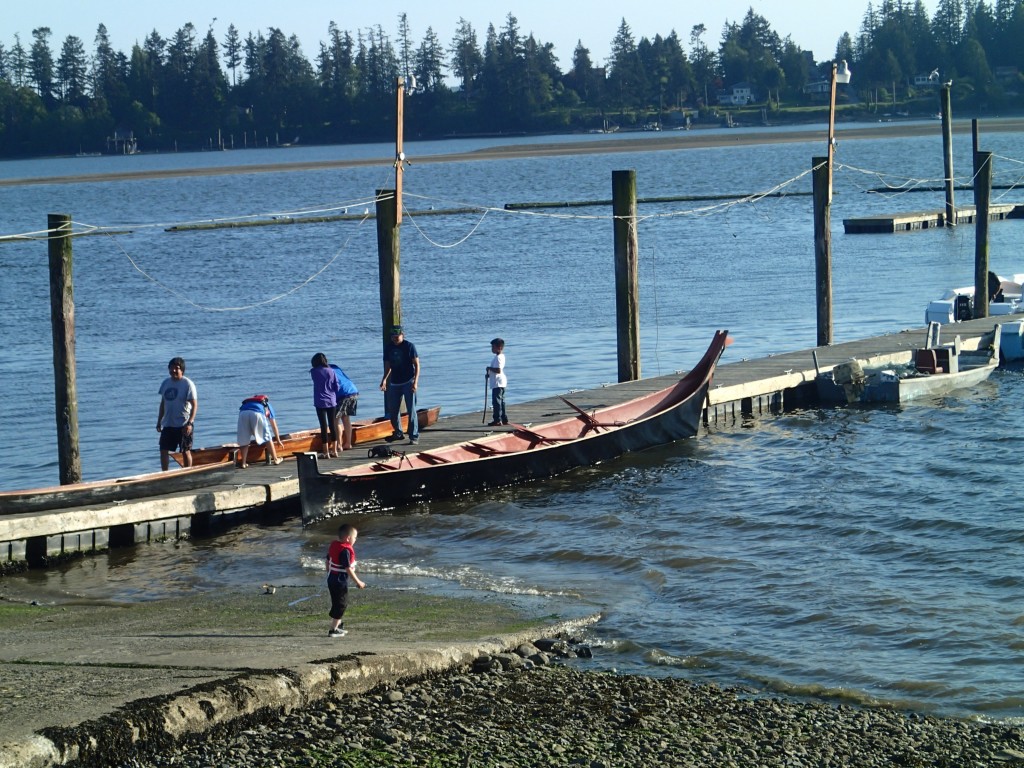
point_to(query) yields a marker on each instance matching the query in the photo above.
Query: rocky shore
(518, 709)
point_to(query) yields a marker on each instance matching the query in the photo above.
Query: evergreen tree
(40, 65)
(625, 79)
(232, 52)
(72, 72)
(704, 65)
(19, 63)
(429, 63)
(466, 58)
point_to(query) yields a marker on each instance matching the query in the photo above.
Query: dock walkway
(742, 389)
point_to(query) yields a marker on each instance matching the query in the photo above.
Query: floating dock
(741, 391)
(908, 222)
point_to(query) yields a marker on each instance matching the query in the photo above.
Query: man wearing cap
(400, 382)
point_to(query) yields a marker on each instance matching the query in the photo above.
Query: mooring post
(947, 153)
(388, 261)
(982, 198)
(62, 323)
(627, 294)
(822, 248)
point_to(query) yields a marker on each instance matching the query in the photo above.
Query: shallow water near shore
(865, 556)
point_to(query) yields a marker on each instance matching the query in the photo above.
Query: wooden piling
(822, 249)
(947, 152)
(388, 261)
(627, 295)
(982, 198)
(62, 323)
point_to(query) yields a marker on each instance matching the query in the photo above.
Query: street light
(840, 74)
(402, 91)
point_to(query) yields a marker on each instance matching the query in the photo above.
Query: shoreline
(670, 140)
(248, 678)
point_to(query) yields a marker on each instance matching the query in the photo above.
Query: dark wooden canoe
(516, 456)
(114, 490)
(365, 431)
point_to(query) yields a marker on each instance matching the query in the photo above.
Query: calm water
(867, 555)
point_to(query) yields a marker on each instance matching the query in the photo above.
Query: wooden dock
(914, 220)
(742, 390)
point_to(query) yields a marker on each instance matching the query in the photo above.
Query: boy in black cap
(399, 383)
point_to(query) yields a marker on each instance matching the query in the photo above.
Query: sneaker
(394, 436)
(494, 424)
(336, 633)
(413, 440)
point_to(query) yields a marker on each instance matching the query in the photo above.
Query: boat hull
(115, 490)
(904, 390)
(522, 455)
(309, 439)
(933, 371)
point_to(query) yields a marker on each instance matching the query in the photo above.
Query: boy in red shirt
(341, 566)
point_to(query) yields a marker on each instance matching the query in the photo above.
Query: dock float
(741, 392)
(914, 220)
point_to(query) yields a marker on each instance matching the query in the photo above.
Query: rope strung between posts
(245, 307)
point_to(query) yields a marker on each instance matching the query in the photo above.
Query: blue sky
(814, 26)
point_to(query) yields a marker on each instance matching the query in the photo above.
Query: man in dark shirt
(400, 382)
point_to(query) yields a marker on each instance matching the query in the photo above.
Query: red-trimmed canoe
(365, 431)
(516, 456)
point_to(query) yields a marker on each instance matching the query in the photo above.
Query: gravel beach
(504, 711)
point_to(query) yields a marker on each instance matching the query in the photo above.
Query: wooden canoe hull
(365, 431)
(115, 490)
(514, 457)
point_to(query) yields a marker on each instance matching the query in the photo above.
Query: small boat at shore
(365, 431)
(515, 456)
(114, 490)
(929, 371)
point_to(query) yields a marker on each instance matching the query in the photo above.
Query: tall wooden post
(627, 294)
(947, 153)
(821, 184)
(62, 323)
(982, 198)
(388, 261)
(399, 149)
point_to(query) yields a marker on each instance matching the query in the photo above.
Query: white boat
(957, 305)
(932, 370)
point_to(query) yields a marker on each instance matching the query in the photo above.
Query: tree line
(191, 91)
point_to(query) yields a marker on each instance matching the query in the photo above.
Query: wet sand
(668, 140)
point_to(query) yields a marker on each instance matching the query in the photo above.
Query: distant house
(818, 88)
(929, 80)
(738, 95)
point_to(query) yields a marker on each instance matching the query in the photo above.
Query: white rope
(246, 307)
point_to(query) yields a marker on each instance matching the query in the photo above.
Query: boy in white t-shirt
(498, 382)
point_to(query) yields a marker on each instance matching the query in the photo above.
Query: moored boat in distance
(365, 431)
(515, 456)
(928, 371)
(957, 305)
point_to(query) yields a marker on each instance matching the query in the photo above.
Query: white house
(738, 96)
